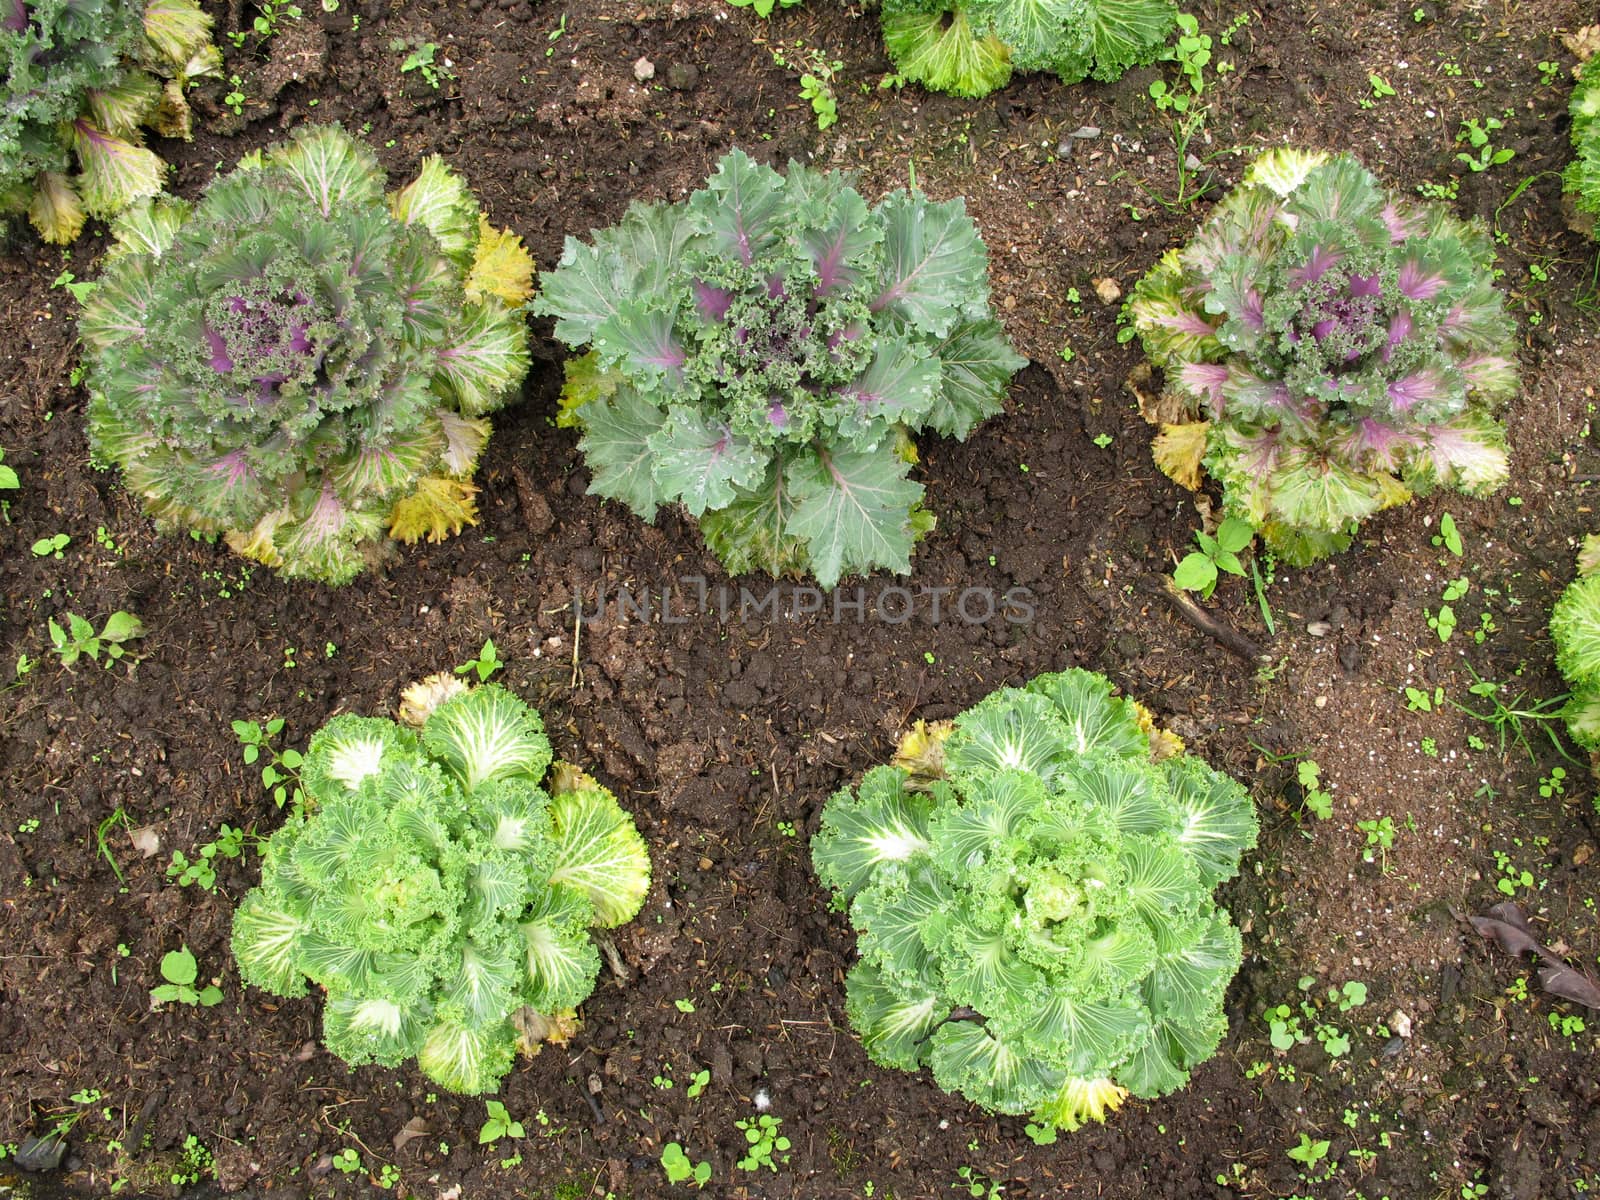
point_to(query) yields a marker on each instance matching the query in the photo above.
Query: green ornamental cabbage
(1031, 892)
(970, 47)
(83, 77)
(302, 362)
(438, 894)
(1330, 350)
(1583, 173)
(1575, 629)
(762, 352)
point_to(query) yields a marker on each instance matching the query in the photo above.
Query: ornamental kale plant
(302, 362)
(1583, 173)
(761, 354)
(83, 77)
(1031, 890)
(436, 892)
(1575, 629)
(1330, 350)
(970, 47)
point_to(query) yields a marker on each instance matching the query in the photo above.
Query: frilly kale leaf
(1575, 629)
(759, 352)
(434, 890)
(970, 47)
(1583, 173)
(304, 363)
(83, 78)
(1033, 909)
(1332, 350)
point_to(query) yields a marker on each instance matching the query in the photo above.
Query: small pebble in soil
(644, 69)
(40, 1154)
(683, 77)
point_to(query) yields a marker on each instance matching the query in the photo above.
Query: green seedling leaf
(179, 966)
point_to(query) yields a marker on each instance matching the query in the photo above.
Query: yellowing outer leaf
(258, 542)
(1178, 451)
(173, 117)
(1164, 744)
(904, 447)
(122, 108)
(1285, 168)
(177, 29)
(418, 700)
(1391, 492)
(438, 509)
(1081, 1100)
(56, 211)
(116, 171)
(587, 380)
(921, 752)
(501, 266)
(565, 778)
(536, 1028)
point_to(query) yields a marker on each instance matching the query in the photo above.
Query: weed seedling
(347, 1160)
(52, 546)
(1198, 572)
(680, 1169)
(202, 870)
(817, 73)
(79, 640)
(1418, 700)
(1380, 837)
(499, 1124)
(1318, 802)
(424, 60)
(1308, 1152)
(762, 1142)
(1506, 717)
(278, 775)
(180, 971)
(976, 1184)
(1477, 136)
(486, 664)
(1449, 536)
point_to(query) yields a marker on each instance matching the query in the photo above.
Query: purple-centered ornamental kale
(302, 362)
(761, 354)
(83, 79)
(1330, 350)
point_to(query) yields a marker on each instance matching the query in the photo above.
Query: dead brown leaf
(1506, 925)
(414, 1128)
(1584, 42)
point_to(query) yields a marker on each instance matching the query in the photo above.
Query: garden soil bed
(725, 732)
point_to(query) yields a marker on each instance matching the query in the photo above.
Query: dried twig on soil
(1507, 927)
(1230, 639)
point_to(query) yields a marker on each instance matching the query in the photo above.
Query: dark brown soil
(725, 736)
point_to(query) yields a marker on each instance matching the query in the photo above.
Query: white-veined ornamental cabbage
(970, 47)
(436, 892)
(83, 78)
(1583, 172)
(1032, 895)
(1575, 629)
(303, 362)
(1330, 350)
(762, 352)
